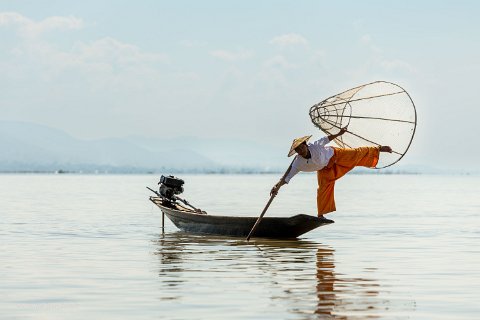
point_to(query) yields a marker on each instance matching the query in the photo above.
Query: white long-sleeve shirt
(320, 156)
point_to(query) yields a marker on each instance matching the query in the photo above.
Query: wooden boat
(190, 220)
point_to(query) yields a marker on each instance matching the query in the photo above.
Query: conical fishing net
(377, 114)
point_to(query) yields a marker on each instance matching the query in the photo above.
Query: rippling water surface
(80, 246)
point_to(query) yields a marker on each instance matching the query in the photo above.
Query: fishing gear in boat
(377, 114)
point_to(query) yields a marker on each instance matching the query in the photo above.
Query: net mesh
(377, 114)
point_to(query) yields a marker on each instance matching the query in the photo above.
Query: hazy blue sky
(239, 69)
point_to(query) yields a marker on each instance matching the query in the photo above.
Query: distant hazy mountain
(33, 147)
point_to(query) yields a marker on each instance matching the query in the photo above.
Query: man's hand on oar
(273, 193)
(274, 190)
(277, 187)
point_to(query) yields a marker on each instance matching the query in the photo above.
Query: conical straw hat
(296, 143)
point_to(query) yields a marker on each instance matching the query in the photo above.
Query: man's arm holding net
(334, 136)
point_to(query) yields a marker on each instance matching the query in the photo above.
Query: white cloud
(56, 22)
(12, 18)
(289, 39)
(366, 39)
(28, 27)
(105, 62)
(231, 56)
(114, 51)
(105, 50)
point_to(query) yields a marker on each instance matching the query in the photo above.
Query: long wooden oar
(261, 216)
(268, 205)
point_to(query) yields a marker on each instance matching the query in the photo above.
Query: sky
(239, 70)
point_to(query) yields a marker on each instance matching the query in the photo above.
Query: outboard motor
(170, 187)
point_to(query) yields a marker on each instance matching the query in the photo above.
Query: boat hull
(269, 227)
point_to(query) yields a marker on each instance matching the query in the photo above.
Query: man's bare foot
(385, 149)
(325, 220)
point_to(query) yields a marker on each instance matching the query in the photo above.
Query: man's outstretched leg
(351, 158)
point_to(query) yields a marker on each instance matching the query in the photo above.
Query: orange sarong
(342, 161)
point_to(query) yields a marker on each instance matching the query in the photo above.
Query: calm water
(91, 247)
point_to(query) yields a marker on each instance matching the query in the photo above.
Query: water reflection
(340, 296)
(298, 277)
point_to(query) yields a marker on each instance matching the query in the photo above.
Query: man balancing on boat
(331, 164)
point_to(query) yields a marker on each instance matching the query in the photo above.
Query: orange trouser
(342, 161)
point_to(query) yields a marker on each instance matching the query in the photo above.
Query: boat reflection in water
(282, 279)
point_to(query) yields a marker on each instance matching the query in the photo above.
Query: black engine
(170, 186)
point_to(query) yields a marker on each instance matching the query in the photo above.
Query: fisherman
(331, 164)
